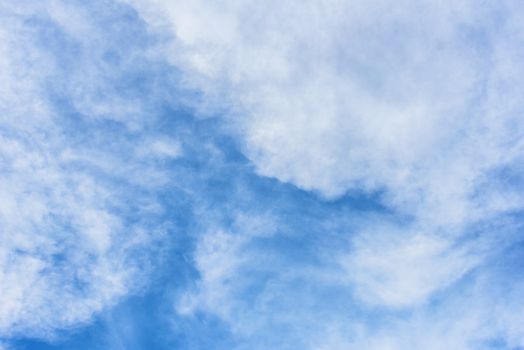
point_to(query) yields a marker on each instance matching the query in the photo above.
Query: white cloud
(397, 271)
(421, 101)
(67, 247)
(270, 302)
(338, 95)
(471, 319)
(63, 250)
(161, 148)
(220, 257)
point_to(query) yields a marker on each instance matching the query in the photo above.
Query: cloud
(342, 96)
(399, 271)
(78, 214)
(253, 281)
(462, 320)
(359, 94)
(418, 104)
(410, 111)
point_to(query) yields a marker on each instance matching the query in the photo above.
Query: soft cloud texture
(418, 103)
(78, 214)
(280, 288)
(358, 188)
(420, 106)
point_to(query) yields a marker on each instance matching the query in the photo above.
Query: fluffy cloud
(356, 93)
(417, 102)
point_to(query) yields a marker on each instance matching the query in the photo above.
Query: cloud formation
(418, 103)
(342, 95)
(78, 214)
(343, 174)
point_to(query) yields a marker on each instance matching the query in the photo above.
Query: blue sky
(324, 175)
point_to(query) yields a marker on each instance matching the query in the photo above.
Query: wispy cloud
(77, 217)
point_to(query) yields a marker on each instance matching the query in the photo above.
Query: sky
(252, 175)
